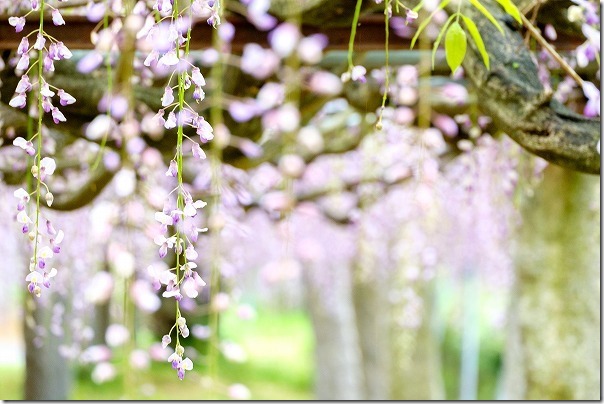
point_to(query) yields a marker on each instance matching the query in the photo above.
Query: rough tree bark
(512, 94)
(553, 350)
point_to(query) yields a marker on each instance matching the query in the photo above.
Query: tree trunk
(47, 373)
(373, 322)
(553, 350)
(338, 373)
(416, 366)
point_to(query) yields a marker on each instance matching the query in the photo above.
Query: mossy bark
(553, 348)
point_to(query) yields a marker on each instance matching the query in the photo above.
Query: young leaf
(440, 37)
(473, 30)
(511, 9)
(480, 7)
(455, 46)
(424, 23)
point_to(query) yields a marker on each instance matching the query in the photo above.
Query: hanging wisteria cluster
(45, 51)
(179, 231)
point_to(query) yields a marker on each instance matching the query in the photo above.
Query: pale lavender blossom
(168, 97)
(40, 41)
(65, 98)
(57, 116)
(25, 145)
(172, 170)
(57, 18)
(23, 47)
(17, 22)
(18, 101)
(198, 151)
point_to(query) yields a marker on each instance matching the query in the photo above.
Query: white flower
(45, 252)
(23, 218)
(169, 59)
(48, 165)
(22, 195)
(164, 219)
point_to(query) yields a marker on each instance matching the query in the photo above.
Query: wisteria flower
(197, 77)
(17, 22)
(198, 151)
(47, 167)
(34, 278)
(23, 197)
(191, 207)
(171, 121)
(164, 244)
(169, 59)
(25, 145)
(168, 97)
(57, 116)
(57, 18)
(65, 98)
(164, 219)
(23, 47)
(172, 170)
(23, 62)
(24, 85)
(18, 101)
(165, 341)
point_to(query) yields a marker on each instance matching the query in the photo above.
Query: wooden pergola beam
(370, 35)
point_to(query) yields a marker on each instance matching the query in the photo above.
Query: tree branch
(513, 96)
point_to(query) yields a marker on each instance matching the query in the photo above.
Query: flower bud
(49, 199)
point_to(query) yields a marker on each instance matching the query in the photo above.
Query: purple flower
(25, 145)
(23, 197)
(46, 91)
(199, 94)
(284, 39)
(172, 170)
(410, 16)
(17, 22)
(34, 278)
(197, 151)
(57, 18)
(49, 65)
(57, 116)
(168, 97)
(91, 61)
(40, 41)
(23, 46)
(19, 101)
(204, 129)
(165, 341)
(169, 59)
(65, 98)
(592, 108)
(171, 121)
(197, 77)
(23, 63)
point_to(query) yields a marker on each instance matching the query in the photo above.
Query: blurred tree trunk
(338, 372)
(373, 323)
(553, 350)
(47, 374)
(416, 365)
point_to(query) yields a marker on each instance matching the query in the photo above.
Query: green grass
(279, 367)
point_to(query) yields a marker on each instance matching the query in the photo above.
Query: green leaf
(424, 23)
(455, 46)
(473, 30)
(440, 37)
(480, 7)
(511, 9)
